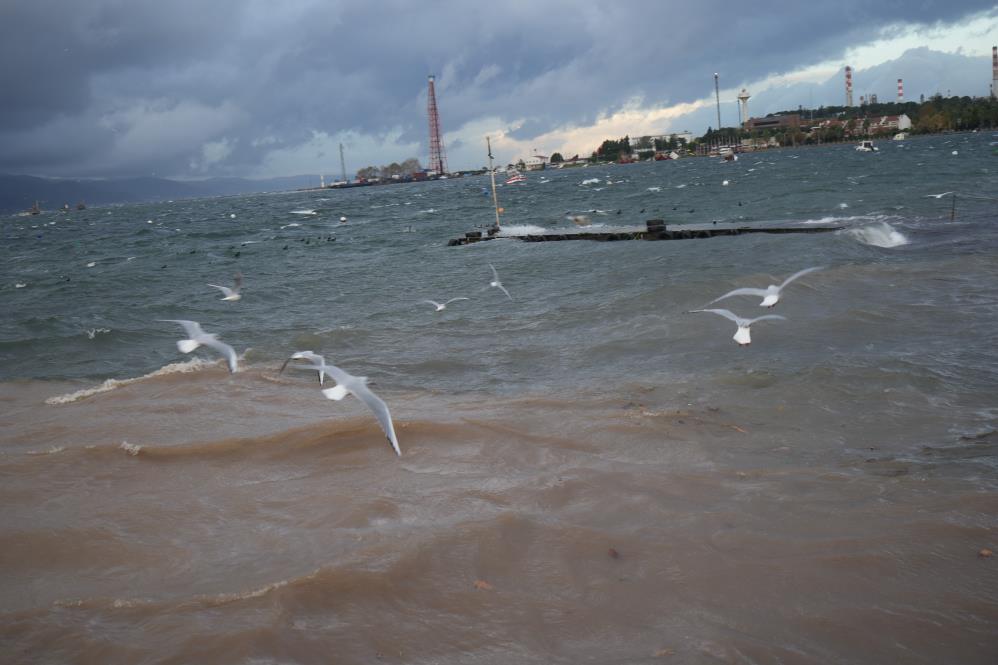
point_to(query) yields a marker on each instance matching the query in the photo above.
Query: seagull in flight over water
(442, 306)
(771, 294)
(742, 335)
(199, 337)
(306, 355)
(233, 293)
(356, 386)
(498, 284)
(937, 196)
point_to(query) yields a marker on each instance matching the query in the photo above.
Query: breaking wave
(193, 365)
(521, 230)
(879, 235)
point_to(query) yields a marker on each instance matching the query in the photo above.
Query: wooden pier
(655, 230)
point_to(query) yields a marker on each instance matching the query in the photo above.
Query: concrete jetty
(655, 229)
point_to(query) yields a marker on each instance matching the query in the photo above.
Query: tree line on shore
(390, 171)
(935, 115)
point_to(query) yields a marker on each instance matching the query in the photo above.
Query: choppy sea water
(589, 473)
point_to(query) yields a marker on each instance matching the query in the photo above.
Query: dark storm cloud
(112, 87)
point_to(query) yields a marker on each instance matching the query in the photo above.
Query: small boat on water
(866, 146)
(901, 136)
(35, 210)
(515, 177)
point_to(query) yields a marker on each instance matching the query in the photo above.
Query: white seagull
(233, 293)
(742, 335)
(771, 294)
(442, 306)
(199, 337)
(357, 386)
(937, 196)
(496, 283)
(306, 355)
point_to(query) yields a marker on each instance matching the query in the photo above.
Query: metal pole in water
(492, 174)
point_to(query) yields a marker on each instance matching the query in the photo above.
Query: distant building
(535, 162)
(788, 121)
(889, 123)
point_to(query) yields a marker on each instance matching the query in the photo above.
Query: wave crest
(879, 235)
(192, 365)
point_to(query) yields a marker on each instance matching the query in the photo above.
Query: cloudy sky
(255, 88)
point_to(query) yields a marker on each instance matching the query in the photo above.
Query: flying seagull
(442, 306)
(233, 293)
(496, 283)
(937, 196)
(742, 335)
(771, 294)
(357, 386)
(199, 337)
(306, 355)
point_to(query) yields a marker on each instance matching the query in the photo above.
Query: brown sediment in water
(264, 522)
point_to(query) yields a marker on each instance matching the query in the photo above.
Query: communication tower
(438, 161)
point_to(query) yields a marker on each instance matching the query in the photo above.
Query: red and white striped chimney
(900, 90)
(848, 85)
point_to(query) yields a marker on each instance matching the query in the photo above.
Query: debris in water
(985, 553)
(483, 585)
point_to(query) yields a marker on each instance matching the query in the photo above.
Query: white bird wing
(434, 303)
(307, 355)
(193, 328)
(224, 349)
(764, 317)
(495, 275)
(799, 274)
(454, 300)
(381, 412)
(355, 385)
(747, 291)
(224, 289)
(728, 314)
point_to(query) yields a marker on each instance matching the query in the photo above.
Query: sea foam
(193, 365)
(879, 235)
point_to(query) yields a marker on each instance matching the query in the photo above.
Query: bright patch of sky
(974, 37)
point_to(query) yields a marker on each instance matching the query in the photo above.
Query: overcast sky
(257, 88)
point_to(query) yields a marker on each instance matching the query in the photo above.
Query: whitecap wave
(193, 365)
(303, 212)
(590, 181)
(132, 449)
(521, 230)
(879, 235)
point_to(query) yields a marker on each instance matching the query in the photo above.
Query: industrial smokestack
(994, 71)
(848, 85)
(900, 90)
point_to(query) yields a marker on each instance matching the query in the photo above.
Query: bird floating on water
(742, 335)
(199, 337)
(771, 294)
(233, 293)
(442, 306)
